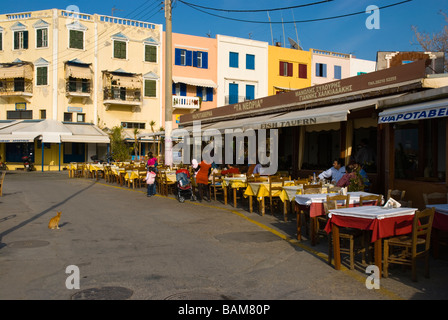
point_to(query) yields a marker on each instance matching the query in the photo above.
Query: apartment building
(79, 68)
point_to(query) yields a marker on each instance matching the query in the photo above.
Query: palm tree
(136, 132)
(152, 123)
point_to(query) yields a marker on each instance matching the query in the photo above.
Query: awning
(246, 123)
(78, 72)
(419, 111)
(128, 82)
(10, 71)
(9, 138)
(83, 132)
(85, 139)
(195, 82)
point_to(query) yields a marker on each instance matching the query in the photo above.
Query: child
(150, 182)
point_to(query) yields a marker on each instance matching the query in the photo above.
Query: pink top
(150, 177)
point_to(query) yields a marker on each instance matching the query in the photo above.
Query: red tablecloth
(381, 228)
(440, 221)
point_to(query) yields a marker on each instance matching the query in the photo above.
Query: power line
(257, 10)
(298, 21)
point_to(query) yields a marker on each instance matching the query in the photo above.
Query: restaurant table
(261, 190)
(95, 169)
(439, 225)
(313, 204)
(234, 183)
(119, 173)
(382, 222)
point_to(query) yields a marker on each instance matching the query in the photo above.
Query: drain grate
(28, 244)
(197, 296)
(104, 293)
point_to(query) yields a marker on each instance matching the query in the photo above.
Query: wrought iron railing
(122, 94)
(16, 85)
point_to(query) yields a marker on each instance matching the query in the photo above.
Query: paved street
(157, 248)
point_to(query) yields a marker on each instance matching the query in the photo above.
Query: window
(321, 70)
(150, 88)
(200, 59)
(19, 84)
(250, 62)
(1, 41)
(303, 71)
(150, 53)
(42, 38)
(285, 69)
(420, 149)
(76, 39)
(20, 40)
(233, 59)
(233, 93)
(132, 125)
(205, 93)
(68, 116)
(120, 49)
(81, 117)
(43, 114)
(182, 57)
(42, 76)
(337, 72)
(19, 114)
(250, 92)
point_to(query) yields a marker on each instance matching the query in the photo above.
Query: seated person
(335, 172)
(230, 170)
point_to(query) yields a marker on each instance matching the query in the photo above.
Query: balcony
(121, 96)
(183, 102)
(17, 87)
(77, 88)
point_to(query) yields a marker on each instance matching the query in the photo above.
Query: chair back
(332, 201)
(396, 194)
(435, 198)
(312, 190)
(422, 225)
(301, 181)
(373, 197)
(276, 179)
(310, 186)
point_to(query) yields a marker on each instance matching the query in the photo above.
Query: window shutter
(209, 94)
(16, 40)
(183, 89)
(195, 58)
(189, 58)
(174, 88)
(42, 76)
(150, 88)
(324, 70)
(1, 41)
(199, 92)
(281, 68)
(204, 60)
(177, 56)
(39, 38)
(303, 71)
(250, 62)
(25, 40)
(337, 72)
(289, 69)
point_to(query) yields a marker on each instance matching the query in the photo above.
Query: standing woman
(202, 179)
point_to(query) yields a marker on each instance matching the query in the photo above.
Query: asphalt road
(128, 246)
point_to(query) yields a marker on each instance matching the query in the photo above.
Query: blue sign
(408, 115)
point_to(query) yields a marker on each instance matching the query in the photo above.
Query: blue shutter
(209, 94)
(199, 92)
(337, 72)
(250, 61)
(233, 59)
(174, 88)
(250, 92)
(183, 89)
(233, 93)
(177, 57)
(195, 58)
(324, 70)
(204, 60)
(189, 58)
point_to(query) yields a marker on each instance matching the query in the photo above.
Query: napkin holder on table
(392, 203)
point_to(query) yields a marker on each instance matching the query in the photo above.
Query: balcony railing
(122, 96)
(78, 86)
(183, 102)
(17, 87)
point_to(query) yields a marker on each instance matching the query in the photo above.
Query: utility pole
(168, 85)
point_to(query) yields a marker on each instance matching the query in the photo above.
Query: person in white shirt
(335, 172)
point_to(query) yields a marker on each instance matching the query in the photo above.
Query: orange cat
(54, 222)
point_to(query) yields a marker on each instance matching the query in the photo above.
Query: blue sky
(345, 35)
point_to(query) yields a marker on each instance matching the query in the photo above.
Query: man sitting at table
(335, 172)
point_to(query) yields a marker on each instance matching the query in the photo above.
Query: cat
(54, 222)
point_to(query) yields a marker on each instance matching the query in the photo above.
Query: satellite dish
(294, 44)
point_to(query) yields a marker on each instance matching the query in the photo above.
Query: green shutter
(120, 49)
(150, 53)
(16, 40)
(76, 39)
(42, 76)
(25, 40)
(150, 88)
(1, 41)
(39, 38)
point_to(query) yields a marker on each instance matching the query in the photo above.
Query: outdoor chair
(278, 187)
(405, 250)
(215, 187)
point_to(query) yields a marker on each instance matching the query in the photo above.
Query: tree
(136, 148)
(436, 42)
(119, 149)
(152, 123)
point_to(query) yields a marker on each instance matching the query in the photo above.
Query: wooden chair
(301, 181)
(435, 198)
(334, 189)
(369, 198)
(312, 190)
(272, 189)
(407, 247)
(2, 179)
(167, 185)
(366, 235)
(399, 196)
(215, 187)
(310, 186)
(334, 202)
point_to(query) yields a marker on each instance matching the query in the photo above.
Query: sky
(347, 34)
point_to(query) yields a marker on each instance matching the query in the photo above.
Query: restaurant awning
(10, 138)
(16, 70)
(195, 82)
(85, 132)
(79, 72)
(419, 111)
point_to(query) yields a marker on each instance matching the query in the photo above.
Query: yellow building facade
(288, 69)
(79, 68)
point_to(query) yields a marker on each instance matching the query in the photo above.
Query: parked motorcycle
(27, 163)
